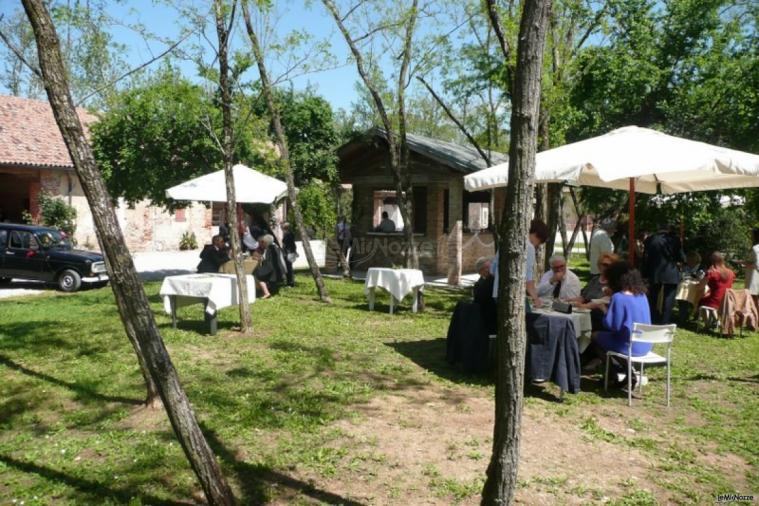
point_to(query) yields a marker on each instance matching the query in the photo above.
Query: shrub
(188, 241)
(54, 212)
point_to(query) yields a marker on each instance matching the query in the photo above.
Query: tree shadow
(81, 390)
(98, 491)
(254, 478)
(429, 354)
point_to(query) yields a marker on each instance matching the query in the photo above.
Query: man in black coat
(662, 254)
(214, 255)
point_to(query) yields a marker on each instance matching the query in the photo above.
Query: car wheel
(69, 281)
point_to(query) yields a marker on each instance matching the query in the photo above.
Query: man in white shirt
(600, 242)
(559, 282)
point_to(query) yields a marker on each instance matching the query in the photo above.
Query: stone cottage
(451, 225)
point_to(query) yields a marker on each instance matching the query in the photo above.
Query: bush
(188, 241)
(317, 203)
(54, 212)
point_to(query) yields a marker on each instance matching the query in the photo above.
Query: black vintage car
(45, 254)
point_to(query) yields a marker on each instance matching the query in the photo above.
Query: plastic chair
(710, 318)
(643, 333)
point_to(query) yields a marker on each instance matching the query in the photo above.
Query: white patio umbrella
(638, 159)
(251, 187)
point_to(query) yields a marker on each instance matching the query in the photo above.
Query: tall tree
(284, 153)
(225, 15)
(398, 152)
(133, 303)
(511, 342)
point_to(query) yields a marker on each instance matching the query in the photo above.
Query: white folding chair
(643, 333)
(709, 318)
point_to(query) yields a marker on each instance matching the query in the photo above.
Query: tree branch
(18, 53)
(134, 70)
(456, 121)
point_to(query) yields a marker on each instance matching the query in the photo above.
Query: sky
(336, 85)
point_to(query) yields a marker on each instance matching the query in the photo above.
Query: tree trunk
(126, 286)
(284, 154)
(511, 343)
(397, 149)
(227, 145)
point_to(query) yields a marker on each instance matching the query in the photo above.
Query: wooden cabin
(451, 225)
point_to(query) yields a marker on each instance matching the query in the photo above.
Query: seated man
(214, 255)
(386, 225)
(559, 282)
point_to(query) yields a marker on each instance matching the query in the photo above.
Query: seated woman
(628, 305)
(718, 278)
(597, 288)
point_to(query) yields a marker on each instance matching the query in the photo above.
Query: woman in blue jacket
(629, 305)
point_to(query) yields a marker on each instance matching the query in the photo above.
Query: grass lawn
(335, 404)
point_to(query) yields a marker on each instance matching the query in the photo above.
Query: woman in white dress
(752, 268)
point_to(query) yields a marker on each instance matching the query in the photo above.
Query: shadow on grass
(253, 479)
(98, 491)
(430, 355)
(82, 391)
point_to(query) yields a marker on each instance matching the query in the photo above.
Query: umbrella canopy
(251, 187)
(658, 163)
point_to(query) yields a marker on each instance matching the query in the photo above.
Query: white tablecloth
(219, 289)
(580, 321)
(688, 290)
(399, 282)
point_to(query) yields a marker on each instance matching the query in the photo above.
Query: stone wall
(145, 227)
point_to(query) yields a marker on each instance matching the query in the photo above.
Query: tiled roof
(29, 135)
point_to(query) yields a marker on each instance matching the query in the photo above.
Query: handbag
(562, 307)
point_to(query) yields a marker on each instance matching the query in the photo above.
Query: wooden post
(455, 254)
(631, 237)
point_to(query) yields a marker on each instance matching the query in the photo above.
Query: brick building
(450, 224)
(34, 158)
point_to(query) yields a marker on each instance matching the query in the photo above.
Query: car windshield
(53, 239)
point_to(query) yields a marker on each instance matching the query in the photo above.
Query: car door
(3, 244)
(23, 257)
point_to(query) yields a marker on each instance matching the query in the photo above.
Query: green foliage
(188, 241)
(317, 203)
(311, 135)
(157, 135)
(54, 212)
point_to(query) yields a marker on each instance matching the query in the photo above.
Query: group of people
(270, 263)
(617, 293)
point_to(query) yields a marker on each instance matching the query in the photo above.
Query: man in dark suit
(662, 254)
(214, 255)
(290, 250)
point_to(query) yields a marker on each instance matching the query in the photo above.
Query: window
(179, 215)
(217, 214)
(476, 210)
(21, 239)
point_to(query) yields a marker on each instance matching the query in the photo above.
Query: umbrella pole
(631, 236)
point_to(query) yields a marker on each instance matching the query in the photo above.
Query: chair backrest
(644, 333)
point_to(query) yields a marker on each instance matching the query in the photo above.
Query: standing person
(752, 268)
(343, 238)
(663, 253)
(537, 236)
(600, 242)
(718, 278)
(291, 252)
(214, 255)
